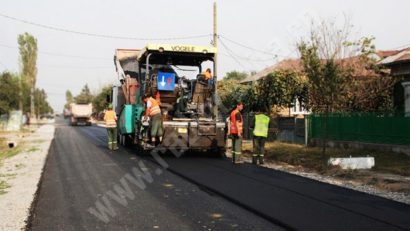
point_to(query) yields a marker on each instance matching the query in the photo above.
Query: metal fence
(368, 128)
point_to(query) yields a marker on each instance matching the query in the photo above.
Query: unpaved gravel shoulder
(22, 173)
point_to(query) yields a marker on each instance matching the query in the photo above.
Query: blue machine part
(166, 81)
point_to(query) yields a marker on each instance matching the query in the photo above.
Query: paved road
(87, 187)
(194, 193)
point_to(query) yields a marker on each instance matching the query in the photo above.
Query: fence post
(306, 130)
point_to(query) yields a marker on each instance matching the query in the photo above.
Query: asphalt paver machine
(189, 109)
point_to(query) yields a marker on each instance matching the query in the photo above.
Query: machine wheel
(125, 140)
(219, 152)
(121, 139)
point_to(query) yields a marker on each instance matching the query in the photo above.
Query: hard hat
(110, 106)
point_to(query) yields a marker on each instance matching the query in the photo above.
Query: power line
(100, 35)
(247, 47)
(71, 56)
(74, 67)
(58, 54)
(249, 59)
(230, 53)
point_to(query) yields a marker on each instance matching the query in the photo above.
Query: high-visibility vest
(261, 125)
(236, 126)
(154, 109)
(110, 118)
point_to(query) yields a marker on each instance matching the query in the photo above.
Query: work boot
(238, 160)
(149, 146)
(254, 160)
(260, 159)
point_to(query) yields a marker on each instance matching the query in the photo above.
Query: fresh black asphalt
(195, 193)
(81, 175)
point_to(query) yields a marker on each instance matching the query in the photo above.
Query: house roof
(384, 54)
(399, 57)
(294, 64)
(359, 69)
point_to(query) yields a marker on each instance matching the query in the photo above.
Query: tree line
(98, 100)
(18, 90)
(336, 76)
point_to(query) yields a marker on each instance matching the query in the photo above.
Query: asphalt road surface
(87, 187)
(82, 180)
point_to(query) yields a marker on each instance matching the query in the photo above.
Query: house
(399, 64)
(360, 72)
(288, 64)
(293, 64)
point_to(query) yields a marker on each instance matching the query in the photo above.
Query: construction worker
(153, 111)
(111, 123)
(208, 76)
(260, 126)
(236, 132)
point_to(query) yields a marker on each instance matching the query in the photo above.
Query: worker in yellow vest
(153, 111)
(260, 126)
(111, 123)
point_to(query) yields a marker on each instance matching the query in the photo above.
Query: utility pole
(215, 36)
(215, 43)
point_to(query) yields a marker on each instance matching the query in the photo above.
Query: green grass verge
(33, 149)
(3, 187)
(7, 153)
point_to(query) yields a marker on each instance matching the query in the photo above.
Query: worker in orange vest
(153, 111)
(208, 76)
(111, 123)
(236, 132)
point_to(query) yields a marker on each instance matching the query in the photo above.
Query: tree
(9, 97)
(322, 55)
(41, 104)
(343, 75)
(28, 59)
(373, 90)
(231, 91)
(235, 75)
(69, 99)
(280, 88)
(100, 100)
(85, 96)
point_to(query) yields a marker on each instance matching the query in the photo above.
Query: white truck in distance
(80, 114)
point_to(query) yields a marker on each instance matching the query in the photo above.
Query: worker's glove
(145, 121)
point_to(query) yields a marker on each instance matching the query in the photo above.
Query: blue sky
(269, 26)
